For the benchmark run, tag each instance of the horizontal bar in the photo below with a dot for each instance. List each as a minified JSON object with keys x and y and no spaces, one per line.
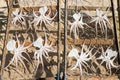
{"x":4,"y":7}
{"x":86,"y":41}
{"x":89,"y":77}
{"x":69,"y":8}
{"x":92,"y":77}
{"x":24,"y":31}
{"x":87,"y":7}
{"x":3,"y":19}
{"x":91,"y":41}
{"x":26,"y":9}
{"x":79,"y":41}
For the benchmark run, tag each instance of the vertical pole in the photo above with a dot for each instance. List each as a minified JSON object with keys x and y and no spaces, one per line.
{"x":115,"y":31}
{"x":65,"y":41}
{"x":118,"y":8}
{"x":59,"y":38}
{"x":10,"y":6}
{"x":118,"y":4}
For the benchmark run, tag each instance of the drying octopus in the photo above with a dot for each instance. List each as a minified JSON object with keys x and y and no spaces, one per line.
{"x":43,"y":17}
{"x":82,"y":59}
{"x":101,"y":21}
{"x":17,"y":49}
{"x":78,"y":23}
{"x":42,"y":51}
{"x":18,"y":17}
{"x":108,"y":57}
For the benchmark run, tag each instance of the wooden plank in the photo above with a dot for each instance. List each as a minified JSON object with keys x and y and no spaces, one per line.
{"x":91,"y":41}
{"x":30,"y":3}
{"x":93,"y":77}
{"x":86,"y":41}
{"x":36,"y":8}
{"x":91,"y":8}
{"x":9,"y":5}
{"x":24,"y":31}
{"x":87,"y":77}
{"x":58,"y":42}
{"x":88,"y":2}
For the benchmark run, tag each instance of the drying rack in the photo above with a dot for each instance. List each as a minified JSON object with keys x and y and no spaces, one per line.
{"x":66,"y":41}
{"x":90,"y":41}
{"x":9,"y":31}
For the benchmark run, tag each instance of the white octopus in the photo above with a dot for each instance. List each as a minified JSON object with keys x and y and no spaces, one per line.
{"x":108,"y":57}
{"x":101,"y":21}
{"x":78,"y":23}
{"x":82,"y":59}
{"x":43,"y":51}
{"x":43,"y":17}
{"x":18,"y":17}
{"x":17,"y":49}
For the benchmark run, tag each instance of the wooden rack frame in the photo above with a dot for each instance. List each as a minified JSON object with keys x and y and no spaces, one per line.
{"x":91,"y":41}
{"x":70,"y":42}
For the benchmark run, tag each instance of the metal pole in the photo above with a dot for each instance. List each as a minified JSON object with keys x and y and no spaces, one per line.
{"x":115,"y":31}
{"x":59,"y":38}
{"x":65,"y":42}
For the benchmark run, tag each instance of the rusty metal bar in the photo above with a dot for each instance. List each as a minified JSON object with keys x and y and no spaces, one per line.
{"x":10,"y":5}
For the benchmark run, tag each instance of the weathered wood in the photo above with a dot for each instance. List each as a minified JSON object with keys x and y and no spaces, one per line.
{"x":79,"y":42}
{"x":36,"y":8}
{"x":10,"y":5}
{"x":24,"y":31}
{"x":91,"y":41}
{"x":115,"y":31}
{"x":26,"y":9}
{"x":29,"y":3}
{"x":59,"y":39}
{"x":93,"y":78}
{"x":87,"y":77}
{"x":65,"y":41}
{"x":91,"y":10}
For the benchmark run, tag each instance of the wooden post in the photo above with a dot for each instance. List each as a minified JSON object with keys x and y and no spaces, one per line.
{"x":115,"y":31}
{"x":65,"y":42}
{"x":118,"y":4}
{"x":4,"y":52}
{"x":59,"y":38}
